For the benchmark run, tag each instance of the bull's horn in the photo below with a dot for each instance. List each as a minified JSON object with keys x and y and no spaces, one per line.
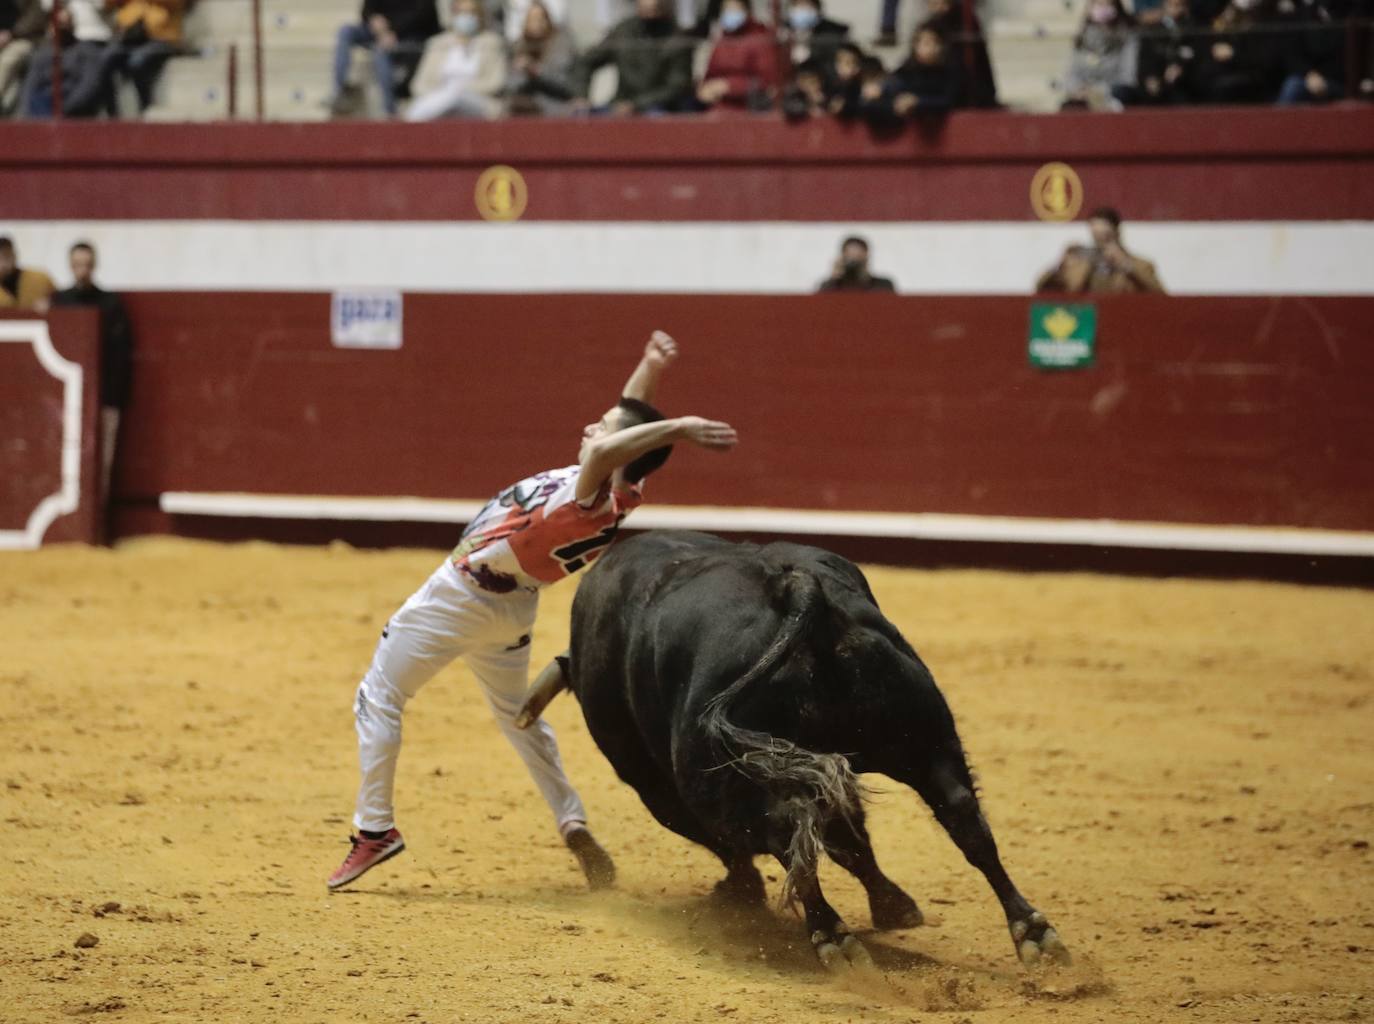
{"x":547,"y":685}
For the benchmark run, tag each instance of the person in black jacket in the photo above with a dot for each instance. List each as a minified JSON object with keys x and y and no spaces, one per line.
{"x":1314,"y":57}
{"x":116,"y":352}
{"x":928,"y":81}
{"x":850,"y":272}
{"x":1243,"y":62}
{"x":1168,"y":57}
{"x":395,"y":32}
{"x":811,"y":35}
{"x":652,"y":59}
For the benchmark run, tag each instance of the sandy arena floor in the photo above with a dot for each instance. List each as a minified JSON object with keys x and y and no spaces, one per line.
{"x":1181,"y":774}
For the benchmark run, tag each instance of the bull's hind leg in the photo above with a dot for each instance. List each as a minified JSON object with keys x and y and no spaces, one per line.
{"x":849,"y":847}
{"x":949,"y":792}
{"x":794,"y":838}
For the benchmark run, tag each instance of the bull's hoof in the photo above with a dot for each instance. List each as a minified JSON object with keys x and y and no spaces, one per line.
{"x":595,"y":862}
{"x":894,"y":909}
{"x":840,"y":952}
{"x":742,"y":887}
{"x":1037,"y":943}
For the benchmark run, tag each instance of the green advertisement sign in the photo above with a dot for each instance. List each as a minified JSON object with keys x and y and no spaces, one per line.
{"x":1062,"y":337}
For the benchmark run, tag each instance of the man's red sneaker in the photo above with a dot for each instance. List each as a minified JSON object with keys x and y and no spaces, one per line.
{"x":365,"y":855}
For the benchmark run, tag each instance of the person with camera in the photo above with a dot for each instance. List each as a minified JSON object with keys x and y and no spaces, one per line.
{"x":851,"y":273}
{"x":1104,"y":266}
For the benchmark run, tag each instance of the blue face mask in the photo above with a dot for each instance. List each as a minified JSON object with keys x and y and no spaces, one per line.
{"x":803,"y":19}
{"x":733,"y":20}
{"x":465,"y":24}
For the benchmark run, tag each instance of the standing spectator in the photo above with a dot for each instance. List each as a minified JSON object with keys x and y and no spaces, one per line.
{"x":1168,"y":58}
{"x":21,"y":288}
{"x":21,"y":29}
{"x":85,"y":35}
{"x":147,"y":34}
{"x":968,"y":49}
{"x":116,"y":351}
{"x":540,"y":78}
{"x":813,"y":35}
{"x":1105,"y":266}
{"x":851,"y":273}
{"x":1244,"y":61}
{"x":653,"y":62}
{"x":1104,"y":57}
{"x":395,"y":32}
{"x":928,"y":81}
{"x":742,"y":73}
{"x":1314,"y":57}
{"x":463,"y":69}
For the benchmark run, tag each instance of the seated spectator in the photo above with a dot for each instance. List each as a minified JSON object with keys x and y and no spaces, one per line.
{"x":968,"y":50}
{"x":742,"y":73}
{"x":813,"y":35}
{"x":653,"y":62}
{"x":515,"y":13}
{"x":1243,"y":62}
{"x":116,"y":347}
{"x":22,"y":288}
{"x":1104,"y":57}
{"x":85,"y":34}
{"x":806,"y":98}
{"x":1168,"y":57}
{"x":540,"y":78}
{"x":928,"y":81}
{"x":147,"y":35}
{"x":1314,"y":56}
{"x":851,"y":274}
{"x":1105,"y":266}
{"x":395,"y":32}
{"x":463,"y":70}
{"x":22,"y":23}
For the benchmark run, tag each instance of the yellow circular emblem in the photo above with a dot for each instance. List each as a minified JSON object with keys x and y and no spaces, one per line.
{"x":1056,"y":193}
{"x":501,"y":193}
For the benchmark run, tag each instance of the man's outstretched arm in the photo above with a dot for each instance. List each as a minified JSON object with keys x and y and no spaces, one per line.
{"x":607,"y":454}
{"x":659,"y":354}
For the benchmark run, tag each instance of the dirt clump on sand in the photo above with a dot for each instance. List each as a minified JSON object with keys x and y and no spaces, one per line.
{"x":1180,"y":774}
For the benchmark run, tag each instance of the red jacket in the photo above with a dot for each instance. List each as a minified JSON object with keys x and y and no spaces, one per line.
{"x":748,"y":60}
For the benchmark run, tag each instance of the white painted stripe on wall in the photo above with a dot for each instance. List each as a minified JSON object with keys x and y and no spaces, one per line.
{"x":980,"y":258}
{"x":913,"y":526}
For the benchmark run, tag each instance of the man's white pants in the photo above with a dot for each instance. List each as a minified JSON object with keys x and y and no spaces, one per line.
{"x":450,"y":617}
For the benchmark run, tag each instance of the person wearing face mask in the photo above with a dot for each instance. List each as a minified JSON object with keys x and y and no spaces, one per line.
{"x":1244,"y":61}
{"x":1168,"y":57}
{"x":463,"y":70}
{"x":394,"y":32}
{"x":813,"y":36}
{"x":851,"y":273}
{"x":742,"y":72}
{"x":1105,"y":56}
{"x":653,"y":63}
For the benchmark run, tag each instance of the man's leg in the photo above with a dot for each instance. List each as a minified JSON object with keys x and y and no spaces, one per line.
{"x":385,"y":72}
{"x":145,"y":65}
{"x":355,"y":34}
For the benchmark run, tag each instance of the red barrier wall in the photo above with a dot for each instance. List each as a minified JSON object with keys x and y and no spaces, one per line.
{"x":1179,"y":164}
{"x":32,"y":433}
{"x":1248,"y":411}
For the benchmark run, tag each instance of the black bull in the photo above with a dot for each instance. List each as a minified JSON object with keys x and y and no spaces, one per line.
{"x":741,"y":689}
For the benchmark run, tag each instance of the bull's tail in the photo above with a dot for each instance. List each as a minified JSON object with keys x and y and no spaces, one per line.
{"x":815,"y":788}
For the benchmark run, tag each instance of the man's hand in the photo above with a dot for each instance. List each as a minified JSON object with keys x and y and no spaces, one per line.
{"x":623,"y":108}
{"x":1315,"y":83}
{"x":905,"y":103}
{"x":379,"y":25}
{"x":1223,"y":52}
{"x":1173,"y":73}
{"x":1118,"y":257}
{"x":661,"y":351}
{"x":713,"y":90}
{"x":712,"y":434}
{"x":5,"y":36}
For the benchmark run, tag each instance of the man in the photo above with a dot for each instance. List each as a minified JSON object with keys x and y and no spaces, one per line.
{"x":395,"y":32}
{"x":851,"y":273}
{"x":1105,"y":267}
{"x":116,"y":347}
{"x":21,"y":288}
{"x":149,"y":34}
{"x":85,"y":32}
{"x":21,"y":28}
{"x":812,"y":35}
{"x":481,"y":603}
{"x":653,"y":63}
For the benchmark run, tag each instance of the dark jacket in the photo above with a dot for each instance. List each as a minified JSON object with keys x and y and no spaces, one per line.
{"x":653,"y":62}
{"x":1318,"y":42}
{"x":970,"y":56}
{"x":412,"y":20}
{"x":1253,"y":73}
{"x":866,"y":284}
{"x":827,"y":37}
{"x":116,"y":340}
{"x":936,"y":87}
{"x":24,"y":19}
{"x":1179,"y":44}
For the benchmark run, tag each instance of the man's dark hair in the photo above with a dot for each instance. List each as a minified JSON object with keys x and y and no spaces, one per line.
{"x":862,"y":243}
{"x":636,"y":413}
{"x":851,"y":48}
{"x":78,"y":246}
{"x":6,"y":243}
{"x":1107,"y":213}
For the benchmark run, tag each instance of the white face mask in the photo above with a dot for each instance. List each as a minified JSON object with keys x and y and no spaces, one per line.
{"x":465,"y":24}
{"x":803,"y":18}
{"x":733,"y":20}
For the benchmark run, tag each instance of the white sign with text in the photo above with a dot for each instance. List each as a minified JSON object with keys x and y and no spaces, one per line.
{"x":366,"y":319}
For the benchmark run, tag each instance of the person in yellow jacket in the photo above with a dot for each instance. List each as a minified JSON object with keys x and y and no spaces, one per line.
{"x":147,"y":33}
{"x":21,"y":288}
